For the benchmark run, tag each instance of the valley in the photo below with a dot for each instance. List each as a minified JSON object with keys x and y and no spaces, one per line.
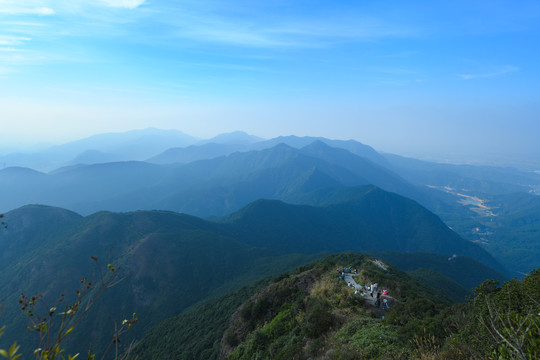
{"x":218,"y":176}
{"x":232,"y":216}
{"x":479,"y":206}
{"x":269,"y":180}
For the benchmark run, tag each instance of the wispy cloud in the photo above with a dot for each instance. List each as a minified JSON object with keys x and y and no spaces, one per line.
{"x":25,"y":7}
{"x":128,"y":4}
{"x":27,"y":11}
{"x":11,"y":50}
{"x":275,"y":35}
{"x":22,"y":24}
{"x":497,"y":72}
{"x":264,"y":26}
{"x":13,"y":40}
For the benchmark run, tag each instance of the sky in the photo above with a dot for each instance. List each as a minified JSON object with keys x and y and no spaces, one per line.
{"x":426,"y":78}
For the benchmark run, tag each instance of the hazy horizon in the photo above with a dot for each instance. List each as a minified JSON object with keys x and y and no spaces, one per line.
{"x":496,"y":159}
{"x":433,"y":80}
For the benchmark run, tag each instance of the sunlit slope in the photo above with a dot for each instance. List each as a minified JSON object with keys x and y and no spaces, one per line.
{"x":227,"y":325}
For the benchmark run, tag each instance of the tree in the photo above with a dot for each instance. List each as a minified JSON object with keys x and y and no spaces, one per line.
{"x":54,"y":326}
{"x":511,"y":316}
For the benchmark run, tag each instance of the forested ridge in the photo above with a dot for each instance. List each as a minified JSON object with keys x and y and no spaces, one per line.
{"x":311,"y":313}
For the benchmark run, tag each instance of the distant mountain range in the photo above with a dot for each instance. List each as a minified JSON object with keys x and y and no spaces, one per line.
{"x":205,"y":187}
{"x":126,"y":146}
{"x":257,"y":208}
{"x":169,"y":170}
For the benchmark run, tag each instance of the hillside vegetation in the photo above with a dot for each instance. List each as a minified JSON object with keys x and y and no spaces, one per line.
{"x":310,"y":313}
{"x":174,"y":261}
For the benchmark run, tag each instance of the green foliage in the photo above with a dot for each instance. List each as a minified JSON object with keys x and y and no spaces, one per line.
{"x":464,"y":270}
{"x":367,"y":339}
{"x":501,"y":322}
{"x":173,"y":261}
{"x":281,"y":324}
{"x":510,"y":316}
{"x":318,"y":317}
{"x":256,"y":310}
{"x":208,"y":260}
{"x":199,"y":330}
{"x":372,"y":219}
{"x":323,"y":319}
{"x":11,"y":353}
{"x":53,"y":326}
{"x":436,"y":280}
{"x":312,"y":313}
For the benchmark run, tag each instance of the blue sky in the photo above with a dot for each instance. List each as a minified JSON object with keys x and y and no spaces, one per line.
{"x":412,"y":77}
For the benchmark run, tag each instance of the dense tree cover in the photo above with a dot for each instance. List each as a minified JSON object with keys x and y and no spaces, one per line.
{"x":452,"y":289}
{"x":308,"y":314}
{"x":172,"y":261}
{"x":189,"y":248}
{"x":462,"y":269}
{"x":370,"y":219}
{"x":195,"y":334}
{"x":509,"y":316}
{"x":175,"y":260}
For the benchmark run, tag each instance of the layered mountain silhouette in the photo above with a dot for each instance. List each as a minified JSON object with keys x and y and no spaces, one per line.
{"x":217,"y":176}
{"x":204,"y":188}
{"x":132,"y":145}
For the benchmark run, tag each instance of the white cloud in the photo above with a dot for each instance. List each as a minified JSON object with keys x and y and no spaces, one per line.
{"x":127,"y":4}
{"x":10,"y":49}
{"x":315,"y":33}
{"x":44,"y":11}
{"x":12,"y":40}
{"x":497,"y":72}
{"x":9,"y":10}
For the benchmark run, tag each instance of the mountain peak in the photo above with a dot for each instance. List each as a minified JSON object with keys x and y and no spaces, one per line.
{"x":233,"y":138}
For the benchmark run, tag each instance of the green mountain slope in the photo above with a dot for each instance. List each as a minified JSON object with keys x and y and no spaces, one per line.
{"x":173,"y":261}
{"x":310,"y":314}
{"x":183,"y":337}
{"x":461,"y":269}
{"x":451,"y":288}
{"x":31,"y":227}
{"x":197,"y":333}
{"x":372,"y":220}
